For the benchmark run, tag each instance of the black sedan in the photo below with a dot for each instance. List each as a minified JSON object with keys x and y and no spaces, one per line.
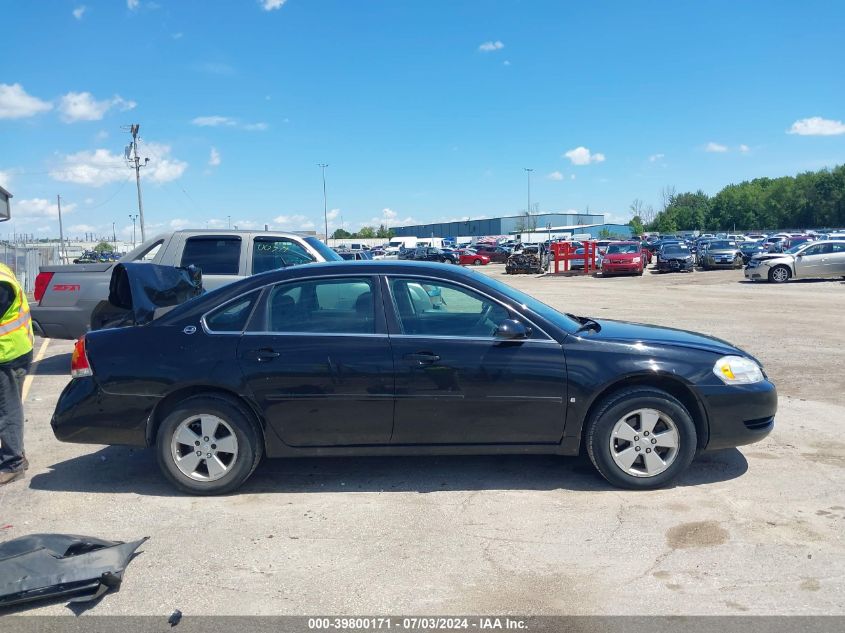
{"x":399,"y":358}
{"x":675,"y":258}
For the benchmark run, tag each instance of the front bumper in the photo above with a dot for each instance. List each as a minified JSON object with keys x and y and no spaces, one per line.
{"x":755,"y":273}
{"x":714,"y":263}
{"x":739,"y":414}
{"x":616,"y":269}
{"x":674,"y":266}
{"x":86,"y":415}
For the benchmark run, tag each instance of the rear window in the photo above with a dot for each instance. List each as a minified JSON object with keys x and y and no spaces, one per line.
{"x":233,"y":316}
{"x":213,"y":255}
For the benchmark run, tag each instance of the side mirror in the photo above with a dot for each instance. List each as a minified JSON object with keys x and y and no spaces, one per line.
{"x":509,"y":329}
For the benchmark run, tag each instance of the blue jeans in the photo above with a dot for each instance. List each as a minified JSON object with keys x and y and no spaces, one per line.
{"x":11,"y":419}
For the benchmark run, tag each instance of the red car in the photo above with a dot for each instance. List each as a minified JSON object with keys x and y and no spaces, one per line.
{"x":622,"y":258}
{"x":470,"y":257}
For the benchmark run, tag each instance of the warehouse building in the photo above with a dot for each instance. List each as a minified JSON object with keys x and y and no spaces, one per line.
{"x":499,"y":226}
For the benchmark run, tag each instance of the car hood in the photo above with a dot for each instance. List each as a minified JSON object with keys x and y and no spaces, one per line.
{"x":721,"y":251}
{"x":623,"y":331}
{"x":625,"y":256}
{"x":764,"y":256}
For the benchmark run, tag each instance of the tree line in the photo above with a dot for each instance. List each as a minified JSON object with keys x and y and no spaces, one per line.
{"x":366,"y":232}
{"x":813,"y":199}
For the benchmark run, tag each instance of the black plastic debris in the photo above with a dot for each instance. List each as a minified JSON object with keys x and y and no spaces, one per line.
{"x":140,"y":292}
{"x":51,"y":566}
{"x":175,"y":618}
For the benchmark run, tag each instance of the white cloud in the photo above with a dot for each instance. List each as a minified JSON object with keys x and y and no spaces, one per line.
{"x":214,"y":157}
{"x":40,"y":209}
{"x":744,"y":149}
{"x":101,"y":167}
{"x":15,"y":103}
{"x":295,"y":222}
{"x":655,"y":157}
{"x":271,"y":5}
{"x":81,"y":228}
{"x":79,"y":11}
{"x":715,"y":147}
{"x":389,"y":218}
{"x":488,"y":47}
{"x":817,"y":126}
{"x":132,"y":5}
{"x":225,"y":121}
{"x":555,"y":175}
{"x":179,"y":223}
{"x":583,"y":156}
{"x":81,"y":106}
{"x":6,"y":180}
{"x":333,"y":215}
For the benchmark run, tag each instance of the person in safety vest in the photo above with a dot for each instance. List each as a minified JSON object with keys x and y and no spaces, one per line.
{"x":15,"y":359}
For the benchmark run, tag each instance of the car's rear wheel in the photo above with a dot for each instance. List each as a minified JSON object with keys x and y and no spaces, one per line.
{"x":208,"y":445}
{"x":641,"y":438}
{"x":779,"y":274}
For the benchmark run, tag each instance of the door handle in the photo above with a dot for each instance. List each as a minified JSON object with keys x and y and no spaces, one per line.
{"x":423,"y":358}
{"x":262,"y":355}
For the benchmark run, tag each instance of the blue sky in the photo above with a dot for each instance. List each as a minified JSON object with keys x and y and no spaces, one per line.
{"x":424,"y":111}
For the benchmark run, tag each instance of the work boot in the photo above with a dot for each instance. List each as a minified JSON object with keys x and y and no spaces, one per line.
{"x":25,"y":462}
{"x":8,"y":476}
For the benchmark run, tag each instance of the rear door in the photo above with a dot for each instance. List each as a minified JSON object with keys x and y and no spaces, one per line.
{"x":220,"y":257}
{"x":837,"y":258}
{"x":317,"y":360}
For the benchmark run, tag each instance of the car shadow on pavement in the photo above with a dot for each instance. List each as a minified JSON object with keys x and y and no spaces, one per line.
{"x":57,"y":365}
{"x":117,"y":469}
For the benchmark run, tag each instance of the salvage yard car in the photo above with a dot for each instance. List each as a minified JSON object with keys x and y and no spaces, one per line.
{"x":675,"y":257}
{"x":622,"y":258}
{"x":721,"y":254}
{"x":807,"y":260}
{"x":65,"y":296}
{"x":401,"y":358}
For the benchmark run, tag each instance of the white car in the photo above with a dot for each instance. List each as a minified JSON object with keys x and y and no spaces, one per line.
{"x":808,"y":260}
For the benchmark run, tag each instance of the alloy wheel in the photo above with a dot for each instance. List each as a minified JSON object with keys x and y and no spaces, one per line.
{"x":204,"y":447}
{"x":644,"y":442}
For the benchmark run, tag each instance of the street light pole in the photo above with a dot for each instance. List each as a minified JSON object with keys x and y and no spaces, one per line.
{"x":322,"y":167}
{"x":133,"y":218}
{"x":528,"y":171}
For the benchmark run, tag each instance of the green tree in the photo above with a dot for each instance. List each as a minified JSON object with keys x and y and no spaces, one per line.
{"x":636,"y":224}
{"x":384,"y":232}
{"x":340,"y":234}
{"x":366,"y":232}
{"x":104,"y":247}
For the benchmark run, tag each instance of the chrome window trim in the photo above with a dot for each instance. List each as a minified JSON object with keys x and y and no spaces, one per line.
{"x":388,"y":276}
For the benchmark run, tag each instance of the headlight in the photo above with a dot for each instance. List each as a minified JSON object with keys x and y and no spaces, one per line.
{"x":636,"y":260}
{"x":737,"y":370}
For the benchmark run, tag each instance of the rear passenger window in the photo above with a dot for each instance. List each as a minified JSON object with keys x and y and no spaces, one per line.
{"x":327,"y":306}
{"x":232,"y":317}
{"x":272,"y":253}
{"x":213,"y":255}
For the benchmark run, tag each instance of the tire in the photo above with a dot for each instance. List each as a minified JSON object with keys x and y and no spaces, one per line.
{"x":476,"y":262}
{"x":228,"y":419}
{"x":780,"y":274}
{"x":737,"y":262}
{"x":623,"y":411}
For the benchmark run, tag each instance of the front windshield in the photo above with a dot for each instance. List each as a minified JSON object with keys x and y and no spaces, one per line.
{"x":674,"y":251}
{"x":796,"y":248}
{"x":722,"y":245}
{"x":616,"y":249}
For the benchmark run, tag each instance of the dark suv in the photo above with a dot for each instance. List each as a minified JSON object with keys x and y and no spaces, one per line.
{"x":430,"y":254}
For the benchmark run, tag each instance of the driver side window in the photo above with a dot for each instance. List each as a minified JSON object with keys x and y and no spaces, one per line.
{"x":435,"y":308}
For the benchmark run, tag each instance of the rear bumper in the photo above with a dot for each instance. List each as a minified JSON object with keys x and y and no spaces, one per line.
{"x":739,"y":415}
{"x":68,"y":323}
{"x":86,"y":415}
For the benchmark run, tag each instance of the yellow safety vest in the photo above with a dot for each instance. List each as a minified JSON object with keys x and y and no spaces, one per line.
{"x":16,"y":325}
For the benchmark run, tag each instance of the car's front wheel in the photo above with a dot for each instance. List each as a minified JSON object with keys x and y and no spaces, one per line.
{"x":779,"y":274}
{"x":476,"y":262}
{"x":641,"y":438}
{"x":208,"y":445}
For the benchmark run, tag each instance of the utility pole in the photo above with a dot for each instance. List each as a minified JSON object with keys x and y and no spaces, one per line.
{"x":133,"y":218}
{"x":62,"y":252}
{"x":132,"y":157}
{"x":228,"y":221}
{"x":528,"y":171}
{"x":323,"y":166}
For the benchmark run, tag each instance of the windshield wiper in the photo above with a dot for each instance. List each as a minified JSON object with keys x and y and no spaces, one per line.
{"x":586,"y":323}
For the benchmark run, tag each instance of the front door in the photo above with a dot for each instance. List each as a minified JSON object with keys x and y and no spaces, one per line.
{"x":814,"y":261}
{"x":317,"y":359}
{"x":456,"y":383}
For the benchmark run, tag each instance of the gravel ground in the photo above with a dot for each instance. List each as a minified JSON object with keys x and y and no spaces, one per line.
{"x":752,"y":531}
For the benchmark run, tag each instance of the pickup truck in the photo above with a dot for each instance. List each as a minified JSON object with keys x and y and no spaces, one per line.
{"x":66,"y":295}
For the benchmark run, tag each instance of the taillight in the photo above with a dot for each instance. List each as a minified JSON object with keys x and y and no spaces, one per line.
{"x":79,"y":365}
{"x":42,"y":280}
